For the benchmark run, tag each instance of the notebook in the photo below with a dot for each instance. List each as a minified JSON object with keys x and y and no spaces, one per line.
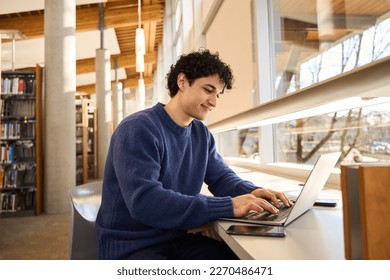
{"x":305,"y":200}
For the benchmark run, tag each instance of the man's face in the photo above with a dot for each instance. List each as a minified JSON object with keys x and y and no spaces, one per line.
{"x":201,"y":97}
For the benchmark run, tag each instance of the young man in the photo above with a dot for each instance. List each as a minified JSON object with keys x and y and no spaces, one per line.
{"x":157,"y":162}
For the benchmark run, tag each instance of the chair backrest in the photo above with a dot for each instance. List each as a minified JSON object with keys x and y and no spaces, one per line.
{"x":85,"y":200}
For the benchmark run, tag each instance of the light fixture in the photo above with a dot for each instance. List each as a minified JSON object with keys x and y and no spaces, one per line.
{"x":139,"y":63}
{"x":13,"y":35}
{"x":141,"y":94}
{"x":139,"y":43}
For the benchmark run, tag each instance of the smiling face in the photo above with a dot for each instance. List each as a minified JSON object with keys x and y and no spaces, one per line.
{"x":194,"y":101}
{"x":194,"y":82}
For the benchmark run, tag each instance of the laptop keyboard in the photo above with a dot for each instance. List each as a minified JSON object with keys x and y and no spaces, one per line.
{"x":267,"y":216}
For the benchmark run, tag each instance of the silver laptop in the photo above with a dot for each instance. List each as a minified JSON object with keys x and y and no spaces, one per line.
{"x":305,"y":200}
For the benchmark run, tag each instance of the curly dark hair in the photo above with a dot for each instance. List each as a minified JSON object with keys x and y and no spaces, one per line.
{"x":196,"y":65}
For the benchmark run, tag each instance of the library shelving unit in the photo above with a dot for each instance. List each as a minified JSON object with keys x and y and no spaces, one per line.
{"x":21,"y":180}
{"x":92,"y":140}
{"x":81,"y":136}
{"x":86,"y":162}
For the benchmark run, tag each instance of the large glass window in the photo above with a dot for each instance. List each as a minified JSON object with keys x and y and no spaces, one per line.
{"x":243,"y":143}
{"x":317,"y":40}
{"x":311,"y":42}
{"x":361,"y":134}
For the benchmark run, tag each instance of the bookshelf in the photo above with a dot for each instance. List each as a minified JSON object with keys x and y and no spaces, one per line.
{"x":92,"y":140}
{"x":81,"y":134}
{"x":21,"y":191}
{"x":86,"y":163}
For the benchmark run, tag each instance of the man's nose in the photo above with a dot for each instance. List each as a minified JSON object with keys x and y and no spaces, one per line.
{"x":213,"y":99}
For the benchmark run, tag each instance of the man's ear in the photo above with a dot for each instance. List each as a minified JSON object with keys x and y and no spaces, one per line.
{"x":181,"y":79}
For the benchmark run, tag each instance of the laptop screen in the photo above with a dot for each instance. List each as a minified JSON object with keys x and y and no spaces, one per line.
{"x":313,"y":185}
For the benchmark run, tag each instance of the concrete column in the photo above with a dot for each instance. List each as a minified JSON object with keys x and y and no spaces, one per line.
{"x":104,"y":106}
{"x":120,"y":102}
{"x":132,"y":105}
{"x":117,"y":101}
{"x":59,"y":108}
{"x":126,"y":98}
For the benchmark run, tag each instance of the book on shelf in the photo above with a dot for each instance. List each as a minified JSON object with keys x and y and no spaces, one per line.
{"x":18,"y":83}
{"x":1,"y":178}
{"x":21,"y":86}
{"x":8,"y":202}
{"x":18,"y":130}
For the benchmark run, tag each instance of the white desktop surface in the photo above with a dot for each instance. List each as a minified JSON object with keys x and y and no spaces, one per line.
{"x":316,"y":235}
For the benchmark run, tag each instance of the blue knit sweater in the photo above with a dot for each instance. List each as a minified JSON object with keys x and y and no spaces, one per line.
{"x":153,"y":175}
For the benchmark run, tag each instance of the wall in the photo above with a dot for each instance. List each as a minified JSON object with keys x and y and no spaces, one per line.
{"x":230,"y":34}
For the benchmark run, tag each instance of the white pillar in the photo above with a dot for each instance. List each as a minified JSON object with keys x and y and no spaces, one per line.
{"x":126,"y":101}
{"x":114,"y":105}
{"x":117,"y":101}
{"x":120,"y":101}
{"x":104,"y":106}
{"x":59,"y":110}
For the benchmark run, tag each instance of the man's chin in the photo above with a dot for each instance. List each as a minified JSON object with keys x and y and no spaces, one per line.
{"x":202,"y":117}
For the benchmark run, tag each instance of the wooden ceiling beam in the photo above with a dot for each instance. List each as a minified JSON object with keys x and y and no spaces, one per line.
{"x":32,"y":26}
{"x":88,"y":19}
{"x":128,"y":83}
{"x":124,"y":61}
{"x":133,"y":83}
{"x":119,"y":4}
{"x":86,"y":89}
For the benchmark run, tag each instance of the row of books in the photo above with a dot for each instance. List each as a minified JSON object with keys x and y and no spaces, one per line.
{"x":19,"y":108}
{"x":79,"y":160}
{"x":17,"y":151}
{"x":16,"y":85}
{"x":17,"y":175}
{"x":12,"y":202}
{"x":17,"y":130}
{"x":79,"y":131}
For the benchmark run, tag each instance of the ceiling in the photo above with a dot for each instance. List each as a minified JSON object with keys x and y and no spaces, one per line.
{"x":121,"y":21}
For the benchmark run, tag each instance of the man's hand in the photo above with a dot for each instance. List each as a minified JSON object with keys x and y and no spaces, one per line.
{"x":273,"y":196}
{"x":242,"y":204}
{"x":258,"y":200}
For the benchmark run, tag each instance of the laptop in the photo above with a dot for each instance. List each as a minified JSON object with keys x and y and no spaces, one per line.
{"x":305,"y":200}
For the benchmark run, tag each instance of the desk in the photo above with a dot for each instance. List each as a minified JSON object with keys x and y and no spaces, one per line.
{"x":316,"y":235}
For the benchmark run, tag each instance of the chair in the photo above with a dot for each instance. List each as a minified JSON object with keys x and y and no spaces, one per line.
{"x":86,"y":200}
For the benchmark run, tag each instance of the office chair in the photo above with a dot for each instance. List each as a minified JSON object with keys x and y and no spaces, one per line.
{"x":86,"y":200}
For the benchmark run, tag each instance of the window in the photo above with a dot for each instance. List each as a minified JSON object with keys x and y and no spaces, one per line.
{"x":361,"y":134}
{"x":312,"y":43}
{"x":317,"y":40}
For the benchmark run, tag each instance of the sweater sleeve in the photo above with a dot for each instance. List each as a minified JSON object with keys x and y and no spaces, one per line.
{"x":221,"y":179}
{"x":137,"y":155}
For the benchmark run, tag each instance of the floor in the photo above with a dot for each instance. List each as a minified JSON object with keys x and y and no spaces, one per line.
{"x":43,"y":237}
